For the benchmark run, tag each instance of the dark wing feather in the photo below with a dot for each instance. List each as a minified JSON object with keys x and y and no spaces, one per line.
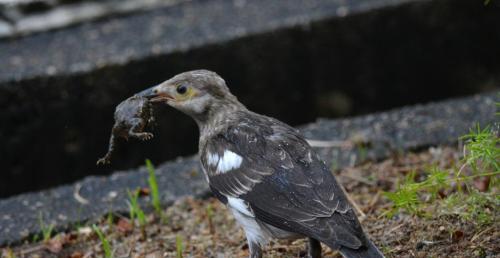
{"x":284,"y":181}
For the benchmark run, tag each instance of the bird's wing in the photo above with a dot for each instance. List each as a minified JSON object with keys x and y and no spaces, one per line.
{"x":269,"y":165}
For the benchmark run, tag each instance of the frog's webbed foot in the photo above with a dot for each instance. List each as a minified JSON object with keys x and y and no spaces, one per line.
{"x":104,"y":160}
{"x":143,"y":136}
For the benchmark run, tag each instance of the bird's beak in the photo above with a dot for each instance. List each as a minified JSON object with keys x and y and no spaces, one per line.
{"x":156,"y":93}
{"x":147,"y":93}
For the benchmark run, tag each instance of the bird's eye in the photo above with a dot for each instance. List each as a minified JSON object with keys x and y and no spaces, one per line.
{"x":181,"y":89}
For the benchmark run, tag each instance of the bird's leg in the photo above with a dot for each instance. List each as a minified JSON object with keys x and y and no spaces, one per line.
{"x":313,"y":248}
{"x":255,"y":250}
{"x":136,"y":130}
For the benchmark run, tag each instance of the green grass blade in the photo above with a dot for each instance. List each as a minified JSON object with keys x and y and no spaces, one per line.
{"x":153,"y":185}
{"x":179,"y":246}
{"x":105,"y":244}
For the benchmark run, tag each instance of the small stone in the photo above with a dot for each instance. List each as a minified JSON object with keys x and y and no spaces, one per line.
{"x":51,"y":70}
{"x":112,"y":195}
{"x":85,"y":230}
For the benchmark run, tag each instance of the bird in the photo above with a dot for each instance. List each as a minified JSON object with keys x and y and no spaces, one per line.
{"x":273,"y":182}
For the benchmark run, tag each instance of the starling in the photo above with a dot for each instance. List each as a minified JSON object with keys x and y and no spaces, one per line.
{"x":269,"y":177}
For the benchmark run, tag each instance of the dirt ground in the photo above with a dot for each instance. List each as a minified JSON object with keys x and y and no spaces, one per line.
{"x":205,"y":228}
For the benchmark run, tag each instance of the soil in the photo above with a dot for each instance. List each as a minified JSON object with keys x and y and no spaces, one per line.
{"x":217,"y":235}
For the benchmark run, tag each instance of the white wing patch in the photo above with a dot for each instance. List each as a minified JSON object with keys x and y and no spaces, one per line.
{"x":229,"y":161}
{"x":212,"y":159}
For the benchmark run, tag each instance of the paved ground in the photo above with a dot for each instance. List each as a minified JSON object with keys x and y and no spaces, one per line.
{"x":382,"y":134}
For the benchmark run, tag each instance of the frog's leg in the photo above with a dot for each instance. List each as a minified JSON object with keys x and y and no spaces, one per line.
{"x":106,"y":159}
{"x":136,"y":130}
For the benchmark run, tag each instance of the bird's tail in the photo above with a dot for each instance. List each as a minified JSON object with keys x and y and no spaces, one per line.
{"x":368,"y":251}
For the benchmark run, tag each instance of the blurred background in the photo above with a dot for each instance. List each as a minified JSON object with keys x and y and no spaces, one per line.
{"x":66,"y":64}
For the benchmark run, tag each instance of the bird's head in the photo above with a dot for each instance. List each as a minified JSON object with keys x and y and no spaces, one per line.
{"x":198,"y":93}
